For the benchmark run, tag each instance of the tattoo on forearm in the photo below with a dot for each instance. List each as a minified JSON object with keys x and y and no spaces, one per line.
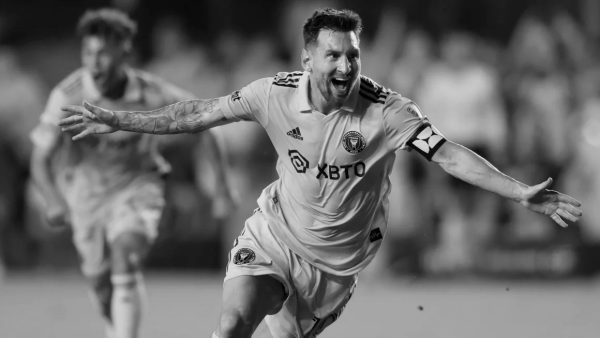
{"x":180,"y":117}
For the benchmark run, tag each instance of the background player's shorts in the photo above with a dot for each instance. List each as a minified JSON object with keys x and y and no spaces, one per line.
{"x":136,"y":208}
{"x":315,"y":299}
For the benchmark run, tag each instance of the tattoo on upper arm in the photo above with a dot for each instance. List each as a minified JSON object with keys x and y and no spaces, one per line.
{"x":180,"y":117}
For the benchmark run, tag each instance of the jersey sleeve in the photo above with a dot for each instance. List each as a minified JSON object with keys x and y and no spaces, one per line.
{"x":248,"y":103}
{"x":47,"y":131}
{"x":407,"y":128}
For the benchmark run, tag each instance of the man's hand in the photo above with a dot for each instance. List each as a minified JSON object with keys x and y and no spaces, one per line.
{"x":88,"y":119}
{"x":58,"y":216}
{"x":552,"y":203}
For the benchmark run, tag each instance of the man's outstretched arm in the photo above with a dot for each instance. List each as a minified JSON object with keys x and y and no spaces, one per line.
{"x":464,"y":164}
{"x":181,"y":117}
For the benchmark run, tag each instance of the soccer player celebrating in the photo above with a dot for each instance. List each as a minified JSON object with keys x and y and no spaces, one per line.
{"x":109,"y":188}
{"x":322,"y":221}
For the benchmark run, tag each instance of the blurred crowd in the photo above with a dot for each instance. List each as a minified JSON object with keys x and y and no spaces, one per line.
{"x":530,"y":105}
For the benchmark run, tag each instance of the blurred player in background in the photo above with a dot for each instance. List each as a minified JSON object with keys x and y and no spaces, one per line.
{"x":336,"y":133}
{"x":108,"y":188}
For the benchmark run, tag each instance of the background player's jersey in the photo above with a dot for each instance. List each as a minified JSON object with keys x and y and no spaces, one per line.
{"x":91,"y":169}
{"x":330,"y":203}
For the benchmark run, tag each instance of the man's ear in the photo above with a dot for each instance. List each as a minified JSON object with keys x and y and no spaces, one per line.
{"x":306,"y":60}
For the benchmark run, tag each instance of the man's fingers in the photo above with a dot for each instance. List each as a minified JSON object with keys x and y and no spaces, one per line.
{"x":567,"y":215}
{"x":545,"y":184}
{"x":88,"y":111}
{"x":72,"y":127}
{"x":74,"y":109}
{"x":71,"y":120}
{"x":80,"y":121}
{"x":572,"y":209}
{"x":94,"y":110}
{"x":88,"y":105}
{"x":81,"y":135}
{"x":540,"y":187}
{"x":556,"y":218}
{"x":568,"y":199}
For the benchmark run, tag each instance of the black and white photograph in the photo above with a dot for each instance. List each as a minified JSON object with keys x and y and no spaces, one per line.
{"x":299,"y":169}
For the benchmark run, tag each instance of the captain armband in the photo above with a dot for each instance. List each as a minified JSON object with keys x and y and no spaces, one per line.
{"x":426,"y":140}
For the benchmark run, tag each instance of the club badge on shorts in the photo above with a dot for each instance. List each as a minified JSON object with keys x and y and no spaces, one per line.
{"x":244,"y":256}
{"x":236,"y":96}
{"x":354,"y":142}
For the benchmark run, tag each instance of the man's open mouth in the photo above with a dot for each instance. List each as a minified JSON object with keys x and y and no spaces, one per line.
{"x":340,"y":84}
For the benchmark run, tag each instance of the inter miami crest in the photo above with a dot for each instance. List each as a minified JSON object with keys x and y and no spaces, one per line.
{"x":244,"y":256}
{"x":354,"y":142}
{"x":235,"y":96}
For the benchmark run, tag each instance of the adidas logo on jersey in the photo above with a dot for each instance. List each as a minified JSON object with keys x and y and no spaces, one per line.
{"x":295,"y":133}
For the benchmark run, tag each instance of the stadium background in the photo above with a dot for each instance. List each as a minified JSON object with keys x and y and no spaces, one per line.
{"x":456,"y":261}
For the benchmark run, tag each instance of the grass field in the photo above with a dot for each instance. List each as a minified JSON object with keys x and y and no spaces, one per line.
{"x":53,"y":305}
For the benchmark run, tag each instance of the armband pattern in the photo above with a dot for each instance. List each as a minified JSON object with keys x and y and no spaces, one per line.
{"x":426,"y":140}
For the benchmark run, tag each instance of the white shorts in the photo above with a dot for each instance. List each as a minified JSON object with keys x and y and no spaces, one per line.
{"x":315,"y":299}
{"x":137,"y":208}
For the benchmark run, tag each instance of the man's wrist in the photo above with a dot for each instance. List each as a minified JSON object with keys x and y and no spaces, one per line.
{"x":519,"y":193}
{"x":112,"y":119}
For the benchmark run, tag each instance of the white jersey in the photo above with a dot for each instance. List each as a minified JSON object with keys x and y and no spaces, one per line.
{"x":91,"y":170}
{"x":330,"y":203}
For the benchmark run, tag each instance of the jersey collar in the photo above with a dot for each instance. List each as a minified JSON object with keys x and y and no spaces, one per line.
{"x":303,"y":103}
{"x":133,"y":91}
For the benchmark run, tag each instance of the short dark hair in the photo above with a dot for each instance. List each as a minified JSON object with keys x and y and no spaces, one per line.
{"x":343,"y":20}
{"x":108,"y":23}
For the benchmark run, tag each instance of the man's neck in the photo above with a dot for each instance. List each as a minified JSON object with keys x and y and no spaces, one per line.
{"x":116,"y":89}
{"x":320,"y":103}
